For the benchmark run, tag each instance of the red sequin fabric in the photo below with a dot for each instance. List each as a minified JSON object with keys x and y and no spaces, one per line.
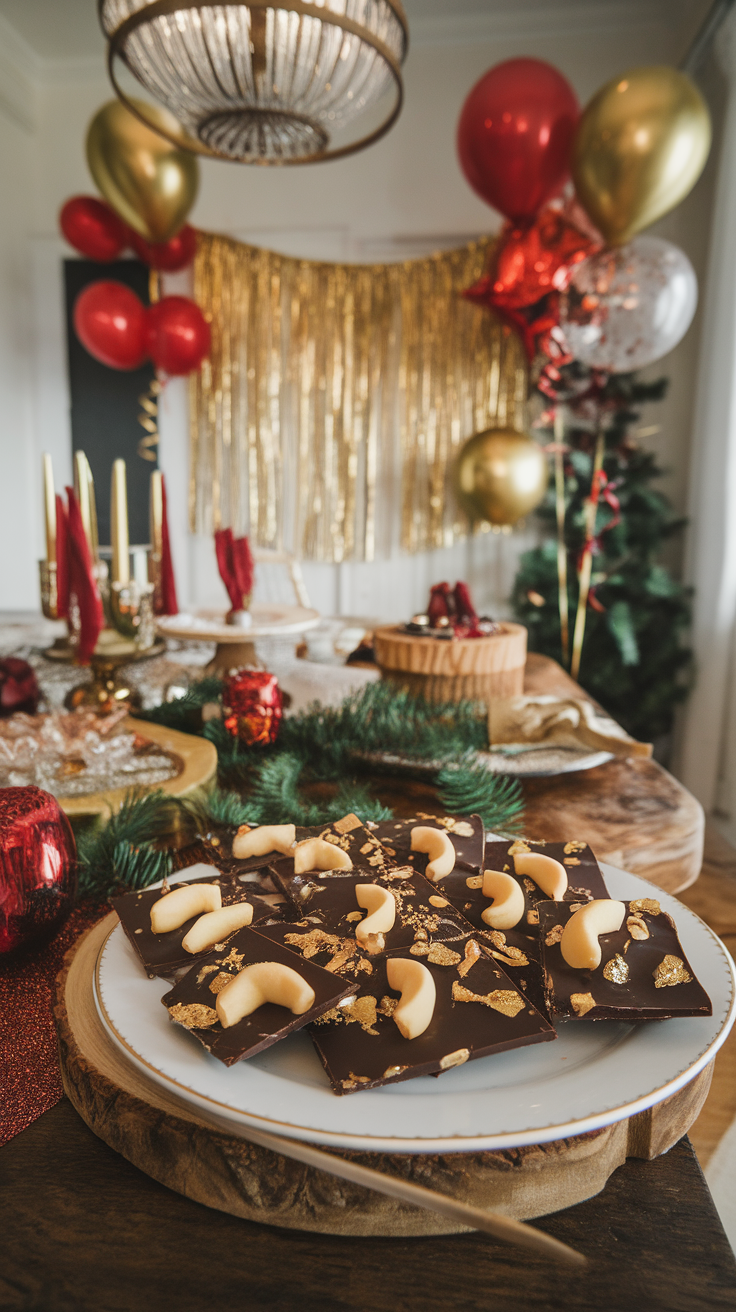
{"x":30,"y":1081}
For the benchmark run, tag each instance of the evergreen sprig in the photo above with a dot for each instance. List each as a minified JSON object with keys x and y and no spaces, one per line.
{"x":124,"y":851}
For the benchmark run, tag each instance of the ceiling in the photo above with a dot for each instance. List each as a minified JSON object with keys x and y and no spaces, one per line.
{"x":68,"y":29}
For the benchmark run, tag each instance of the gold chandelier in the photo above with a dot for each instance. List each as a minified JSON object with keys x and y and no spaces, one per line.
{"x":267,"y":82}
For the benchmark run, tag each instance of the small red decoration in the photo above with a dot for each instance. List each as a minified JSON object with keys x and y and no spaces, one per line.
{"x":110,"y":322}
{"x":178,"y":335}
{"x":515,"y":134}
{"x":19,"y":690}
{"x":452,"y":608}
{"x":253,"y":707}
{"x":83,"y":591}
{"x":235,"y":563}
{"x":168,"y":256}
{"x":93,"y":228}
{"x":38,"y":866}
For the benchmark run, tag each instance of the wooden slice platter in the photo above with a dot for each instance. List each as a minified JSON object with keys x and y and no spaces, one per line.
{"x":161,"y":1134}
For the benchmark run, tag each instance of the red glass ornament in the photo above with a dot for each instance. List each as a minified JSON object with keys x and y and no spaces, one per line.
{"x":19,"y":689}
{"x":110,"y":322}
{"x":253,"y":706}
{"x":515,"y":133}
{"x":38,"y":866}
{"x":168,"y":256}
{"x":178,"y":335}
{"x":93,"y":229}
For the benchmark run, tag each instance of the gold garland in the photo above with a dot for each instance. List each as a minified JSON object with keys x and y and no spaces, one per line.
{"x":337,"y":397}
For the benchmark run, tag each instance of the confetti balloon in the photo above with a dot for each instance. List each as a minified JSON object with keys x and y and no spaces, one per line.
{"x":625,"y":308}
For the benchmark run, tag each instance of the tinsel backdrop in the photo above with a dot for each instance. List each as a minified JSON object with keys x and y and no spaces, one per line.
{"x":336,"y":398}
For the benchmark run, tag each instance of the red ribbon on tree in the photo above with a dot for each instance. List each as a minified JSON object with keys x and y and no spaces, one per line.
{"x":82,"y":583}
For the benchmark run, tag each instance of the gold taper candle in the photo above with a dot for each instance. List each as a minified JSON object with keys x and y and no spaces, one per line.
{"x":156,"y":511}
{"x":49,"y":506}
{"x":119,"y":524}
{"x":84,"y":489}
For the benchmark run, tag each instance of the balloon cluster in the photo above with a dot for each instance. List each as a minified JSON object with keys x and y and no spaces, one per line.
{"x":149,"y":187}
{"x":570,"y":274}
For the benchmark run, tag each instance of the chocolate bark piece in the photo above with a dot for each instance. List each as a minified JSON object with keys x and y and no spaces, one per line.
{"x":192,"y":1000}
{"x":217,"y":843}
{"x":466,"y":833}
{"x":423,"y":914}
{"x":163,"y":954}
{"x":340,"y":955}
{"x":349,"y":834}
{"x":477,"y":1012}
{"x":643,"y":974}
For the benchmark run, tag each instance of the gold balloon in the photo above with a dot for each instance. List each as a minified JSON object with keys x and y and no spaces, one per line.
{"x":149,"y":182}
{"x":640,"y":147}
{"x":501,"y":475}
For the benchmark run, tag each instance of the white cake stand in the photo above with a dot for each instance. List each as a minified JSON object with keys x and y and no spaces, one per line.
{"x":236,"y":644}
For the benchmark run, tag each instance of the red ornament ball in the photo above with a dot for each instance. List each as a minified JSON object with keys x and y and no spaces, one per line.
{"x":19,"y":689}
{"x":38,"y":866}
{"x":253,"y":707}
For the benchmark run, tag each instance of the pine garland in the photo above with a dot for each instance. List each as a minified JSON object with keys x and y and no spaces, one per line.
{"x":123,"y":853}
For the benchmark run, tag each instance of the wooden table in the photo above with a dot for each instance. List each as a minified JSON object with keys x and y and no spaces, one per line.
{"x":81,"y":1230}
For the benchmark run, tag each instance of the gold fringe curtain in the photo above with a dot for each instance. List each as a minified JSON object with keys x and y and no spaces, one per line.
{"x":336,"y":398}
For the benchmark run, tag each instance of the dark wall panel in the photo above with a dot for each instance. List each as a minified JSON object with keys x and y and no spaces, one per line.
{"x":105,"y":402}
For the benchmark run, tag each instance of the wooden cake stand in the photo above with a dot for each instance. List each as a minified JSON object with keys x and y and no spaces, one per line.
{"x":161,"y":1134}
{"x":235,"y":645}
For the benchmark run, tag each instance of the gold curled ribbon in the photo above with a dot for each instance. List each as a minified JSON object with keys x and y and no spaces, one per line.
{"x":148,"y":419}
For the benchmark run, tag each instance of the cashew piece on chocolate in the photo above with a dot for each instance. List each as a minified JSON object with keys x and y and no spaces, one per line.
{"x":418,"y":995}
{"x":548,"y":874}
{"x":262,"y":840}
{"x":439,"y":849}
{"x":579,"y":943}
{"x":380,"y":904}
{"x":508,"y":900}
{"x":215,"y":926}
{"x":177,"y":907}
{"x":318,"y":854}
{"x":265,"y":981}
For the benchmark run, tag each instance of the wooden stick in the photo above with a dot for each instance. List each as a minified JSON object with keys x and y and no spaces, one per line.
{"x":500,"y":1227}
{"x":561,"y":547}
{"x":586,"y":564}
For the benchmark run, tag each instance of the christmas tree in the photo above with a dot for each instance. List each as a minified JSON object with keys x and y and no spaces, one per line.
{"x":633,"y":660}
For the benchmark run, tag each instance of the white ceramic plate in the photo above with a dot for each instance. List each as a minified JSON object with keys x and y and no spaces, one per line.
{"x":592,"y":1075}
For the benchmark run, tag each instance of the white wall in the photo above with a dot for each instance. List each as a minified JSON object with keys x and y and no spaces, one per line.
{"x":399,"y":198}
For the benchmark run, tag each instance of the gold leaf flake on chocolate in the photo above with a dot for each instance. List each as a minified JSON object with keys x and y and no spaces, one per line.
{"x":205,"y":971}
{"x":354,"y":916}
{"x":439,"y":955}
{"x":220,"y":981}
{"x":234,"y":959}
{"x":554,"y":935}
{"x":574,"y":846}
{"x":193,"y":1015}
{"x":460,"y":827}
{"x":366,"y":848}
{"x":387,"y":1006}
{"x":570,"y":861}
{"x":529,"y":885}
{"x":454,"y":1059}
{"x":354,"y":1080}
{"x":392,"y":1071}
{"x":366,"y":966}
{"x":637,"y":927}
{"x":671,"y":970}
{"x":576,"y":906}
{"x":616,"y":971}
{"x":582,"y":1003}
{"x":649,"y":904}
{"x":344,"y":826}
{"x":472,"y":953}
{"x":532,"y":916}
{"x":361,"y":1010}
{"x":419,"y":949}
{"x":519,"y":847}
{"x":506,"y":1001}
{"x":474,"y":881}
{"x":376,"y":860}
{"x":497,"y":938}
{"x":400,"y":872}
{"x":510,"y":956}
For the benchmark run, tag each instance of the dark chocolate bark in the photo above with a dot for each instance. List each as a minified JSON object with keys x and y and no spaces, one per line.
{"x":477,"y":1012}
{"x":643,"y":975}
{"x":466,"y":834}
{"x":340,"y":955}
{"x":423,"y":913}
{"x":192,"y":1000}
{"x":163,"y":954}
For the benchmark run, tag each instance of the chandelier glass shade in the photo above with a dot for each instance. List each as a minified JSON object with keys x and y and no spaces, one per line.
{"x":268,"y":82}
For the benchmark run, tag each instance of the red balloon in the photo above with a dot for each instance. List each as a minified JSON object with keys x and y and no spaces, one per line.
{"x":515,"y":133}
{"x":178,"y":335}
{"x":110,"y":322}
{"x":169,"y":256}
{"x":93,"y":229}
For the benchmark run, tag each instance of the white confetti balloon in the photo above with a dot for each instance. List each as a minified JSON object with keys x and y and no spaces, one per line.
{"x":625,"y":308}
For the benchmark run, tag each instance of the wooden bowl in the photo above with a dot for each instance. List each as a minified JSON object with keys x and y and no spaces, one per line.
{"x":450,"y":670}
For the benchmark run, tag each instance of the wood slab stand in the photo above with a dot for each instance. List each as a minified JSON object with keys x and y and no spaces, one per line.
{"x":165,"y":1138}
